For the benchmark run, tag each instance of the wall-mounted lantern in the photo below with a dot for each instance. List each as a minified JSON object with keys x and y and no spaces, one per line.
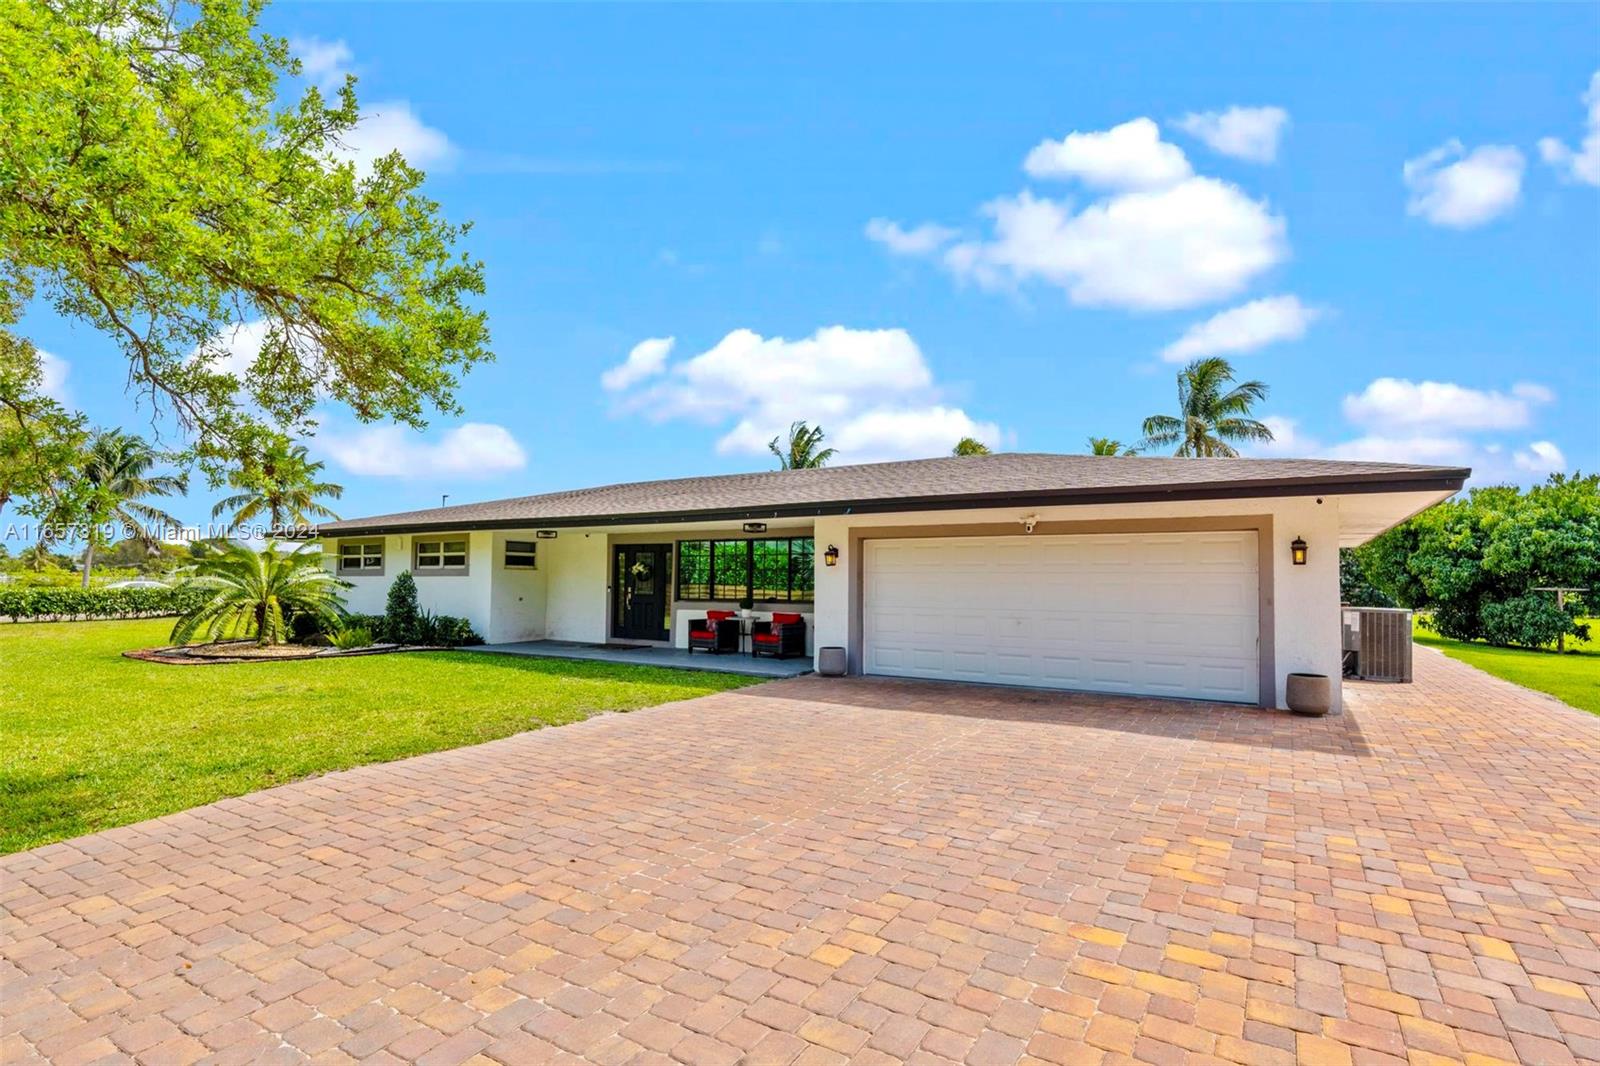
{"x":755,"y":527}
{"x":1297,"y":551}
{"x":831,"y":556}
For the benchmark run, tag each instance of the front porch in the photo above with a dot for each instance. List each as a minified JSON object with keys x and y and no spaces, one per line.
{"x":652,"y":655}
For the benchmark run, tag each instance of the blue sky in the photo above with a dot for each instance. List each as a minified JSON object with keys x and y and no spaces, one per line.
{"x":1061,"y":196}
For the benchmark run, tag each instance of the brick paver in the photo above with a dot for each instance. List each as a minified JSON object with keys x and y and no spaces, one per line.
{"x":820,"y":870}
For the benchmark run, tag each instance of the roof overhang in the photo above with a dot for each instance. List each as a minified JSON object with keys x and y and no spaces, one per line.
{"x":1434,"y":485}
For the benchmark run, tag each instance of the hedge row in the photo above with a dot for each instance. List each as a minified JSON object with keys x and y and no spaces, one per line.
{"x":45,"y":601}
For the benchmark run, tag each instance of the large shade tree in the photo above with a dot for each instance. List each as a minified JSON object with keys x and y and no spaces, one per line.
{"x":279,"y":483}
{"x":1212,"y":416}
{"x":803,"y":448}
{"x":158,"y":182}
{"x":119,"y":473}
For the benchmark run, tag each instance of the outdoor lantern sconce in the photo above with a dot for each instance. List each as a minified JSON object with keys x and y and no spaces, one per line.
{"x":1297,"y":551}
{"x":831,"y":556}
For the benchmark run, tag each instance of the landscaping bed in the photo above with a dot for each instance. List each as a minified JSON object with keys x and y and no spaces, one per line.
{"x":248,"y":651}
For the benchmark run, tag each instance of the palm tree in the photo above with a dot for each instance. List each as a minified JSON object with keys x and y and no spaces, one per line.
{"x":280,"y":483}
{"x":803,"y":450}
{"x":1209,"y":418}
{"x":970,"y":446}
{"x":1107,"y":446}
{"x":117,"y":477}
{"x":257,"y":593}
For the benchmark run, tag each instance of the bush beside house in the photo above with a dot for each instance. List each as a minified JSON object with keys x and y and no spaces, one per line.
{"x":1476,"y":563}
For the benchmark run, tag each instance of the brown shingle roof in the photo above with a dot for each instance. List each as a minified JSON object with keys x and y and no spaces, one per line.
{"x":967,"y":481}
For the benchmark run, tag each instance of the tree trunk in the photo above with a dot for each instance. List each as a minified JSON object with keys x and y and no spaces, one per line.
{"x":88,"y":561}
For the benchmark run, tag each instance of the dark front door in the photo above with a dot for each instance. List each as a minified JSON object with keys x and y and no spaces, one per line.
{"x":640,"y":588}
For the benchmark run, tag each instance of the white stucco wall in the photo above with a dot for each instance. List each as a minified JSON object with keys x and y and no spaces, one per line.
{"x":575,"y":585}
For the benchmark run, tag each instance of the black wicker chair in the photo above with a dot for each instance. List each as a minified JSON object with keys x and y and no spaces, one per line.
{"x":717,"y":632}
{"x":781,"y":638}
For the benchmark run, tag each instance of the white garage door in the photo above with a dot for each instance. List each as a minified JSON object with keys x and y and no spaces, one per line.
{"x":1163,"y":614}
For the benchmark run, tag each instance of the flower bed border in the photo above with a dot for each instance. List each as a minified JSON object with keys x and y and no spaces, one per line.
{"x":185,"y":656}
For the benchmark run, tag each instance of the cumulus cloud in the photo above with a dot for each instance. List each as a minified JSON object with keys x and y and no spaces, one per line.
{"x":1248,"y":133}
{"x":647,"y":359}
{"x":53,"y":374}
{"x":919,"y":240}
{"x":1159,"y":238}
{"x":1453,"y":187}
{"x":392,"y":126}
{"x":871,"y":390}
{"x":1583,"y":164}
{"x":323,"y":63}
{"x":471,"y":450}
{"x":1244,"y":329}
{"x":1195,"y":242}
{"x":1393,"y":403}
{"x":1129,"y":156}
{"x":1540,"y":457}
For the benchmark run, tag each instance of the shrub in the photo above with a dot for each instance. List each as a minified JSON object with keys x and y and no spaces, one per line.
{"x":444,"y":630}
{"x":26,"y":602}
{"x":1532,"y":621}
{"x":352,"y":637}
{"x":401,"y":614}
{"x":372,"y":623}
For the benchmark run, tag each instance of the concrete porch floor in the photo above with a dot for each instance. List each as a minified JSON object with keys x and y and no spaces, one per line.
{"x":648,"y":655}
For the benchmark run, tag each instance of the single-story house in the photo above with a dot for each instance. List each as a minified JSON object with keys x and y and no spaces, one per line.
{"x":1202,"y":578}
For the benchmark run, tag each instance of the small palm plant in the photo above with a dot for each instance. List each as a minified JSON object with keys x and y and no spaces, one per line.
{"x":254,"y":594}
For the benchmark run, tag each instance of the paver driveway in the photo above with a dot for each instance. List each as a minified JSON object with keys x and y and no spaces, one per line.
{"x":814,"y":870}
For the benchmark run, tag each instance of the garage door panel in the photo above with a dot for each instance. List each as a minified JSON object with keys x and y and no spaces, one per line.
{"x":1164,"y":614}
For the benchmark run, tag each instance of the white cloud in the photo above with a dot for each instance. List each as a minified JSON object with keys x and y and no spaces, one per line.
{"x":1163,"y":238}
{"x":1419,"y":448}
{"x":323,"y":63}
{"x":1195,"y":242}
{"x":1388,"y":404}
{"x":470,"y":450}
{"x":390,"y":126}
{"x":1129,"y":156}
{"x":919,"y":240}
{"x":871,"y":390}
{"x":1453,"y":187}
{"x":1244,"y":329}
{"x":1582,"y":165}
{"x":53,"y":374}
{"x":1540,"y":457}
{"x":1249,"y":133}
{"x":646,"y":359}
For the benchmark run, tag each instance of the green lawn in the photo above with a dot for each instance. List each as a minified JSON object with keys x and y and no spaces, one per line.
{"x":90,"y":740}
{"x":1571,"y":678}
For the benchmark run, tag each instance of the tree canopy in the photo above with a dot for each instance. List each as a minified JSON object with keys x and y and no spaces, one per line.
{"x":154,"y":184}
{"x":1476,"y":561}
{"x":971,"y":446}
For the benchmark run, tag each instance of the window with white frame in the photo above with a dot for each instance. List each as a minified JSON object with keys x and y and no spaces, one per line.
{"x":363,"y":558}
{"x":441,"y":556}
{"x":522,"y":555}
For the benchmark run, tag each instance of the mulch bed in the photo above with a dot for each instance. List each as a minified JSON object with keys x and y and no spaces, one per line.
{"x":247,"y":651}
